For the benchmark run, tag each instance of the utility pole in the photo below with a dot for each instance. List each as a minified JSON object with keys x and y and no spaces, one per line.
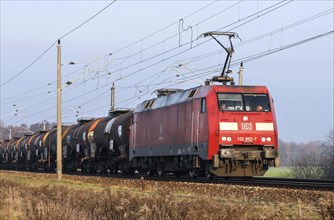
{"x":59,"y":147}
{"x":112,"y":102}
{"x":241,"y":71}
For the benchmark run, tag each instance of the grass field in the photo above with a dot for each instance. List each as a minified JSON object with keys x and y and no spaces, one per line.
{"x":280,"y":172}
{"x":41,"y":196}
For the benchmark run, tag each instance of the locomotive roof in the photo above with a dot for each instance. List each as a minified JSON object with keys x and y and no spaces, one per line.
{"x":194,"y":93}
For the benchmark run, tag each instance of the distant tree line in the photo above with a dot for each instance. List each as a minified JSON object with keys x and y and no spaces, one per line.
{"x":312,"y":160}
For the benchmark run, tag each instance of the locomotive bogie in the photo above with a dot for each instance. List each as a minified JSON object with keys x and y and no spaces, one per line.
{"x":243,"y":161}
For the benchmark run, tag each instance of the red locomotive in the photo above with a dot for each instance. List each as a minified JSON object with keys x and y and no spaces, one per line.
{"x":221,"y":130}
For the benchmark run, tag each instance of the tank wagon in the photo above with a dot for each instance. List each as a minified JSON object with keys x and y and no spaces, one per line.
{"x":4,"y":154}
{"x":97,"y":144}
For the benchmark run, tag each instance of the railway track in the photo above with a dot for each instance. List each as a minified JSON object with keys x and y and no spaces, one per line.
{"x":292,"y":183}
{"x":282,"y":182}
{"x":313,"y":184}
{"x":262,"y":181}
{"x":295,"y":183}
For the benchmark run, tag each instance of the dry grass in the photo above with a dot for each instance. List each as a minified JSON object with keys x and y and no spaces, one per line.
{"x":39,"y":196}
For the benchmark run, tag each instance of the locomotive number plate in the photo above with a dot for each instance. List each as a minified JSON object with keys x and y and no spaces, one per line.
{"x":246,"y":126}
{"x":247,"y":139}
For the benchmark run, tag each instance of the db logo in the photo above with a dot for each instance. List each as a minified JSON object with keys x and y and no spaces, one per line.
{"x":246,"y":126}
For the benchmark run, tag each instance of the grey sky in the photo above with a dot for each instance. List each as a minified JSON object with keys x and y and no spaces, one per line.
{"x":300,"y":78}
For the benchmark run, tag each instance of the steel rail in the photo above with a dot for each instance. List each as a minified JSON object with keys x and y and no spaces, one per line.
{"x":313,"y":184}
{"x":290,"y":183}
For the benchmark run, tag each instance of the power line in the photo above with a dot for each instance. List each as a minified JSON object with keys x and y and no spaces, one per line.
{"x":245,"y":42}
{"x":210,"y":72}
{"x":170,"y":25}
{"x":88,"y":19}
{"x":152,"y":46}
{"x":165,"y":39}
{"x":300,"y":22}
{"x":198,"y":10}
{"x":215,"y":68}
{"x":249,"y":58}
{"x":175,"y":35}
{"x":265,"y":11}
{"x":257,"y":15}
{"x":22,"y":71}
{"x":260,"y":55}
{"x":168,"y":38}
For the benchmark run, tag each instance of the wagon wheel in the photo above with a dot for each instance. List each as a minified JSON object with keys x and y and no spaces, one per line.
{"x":104,"y":169}
{"x":192,"y":173}
{"x":161,"y":169}
{"x":177,"y":173}
{"x":161,"y":172}
{"x":150,"y":172}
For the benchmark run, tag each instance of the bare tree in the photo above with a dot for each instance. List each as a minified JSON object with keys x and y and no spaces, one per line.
{"x":308,"y":166}
{"x":328,"y":155}
{"x":317,"y":163}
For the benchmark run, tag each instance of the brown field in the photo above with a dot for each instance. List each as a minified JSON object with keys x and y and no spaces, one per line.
{"x":41,"y":196}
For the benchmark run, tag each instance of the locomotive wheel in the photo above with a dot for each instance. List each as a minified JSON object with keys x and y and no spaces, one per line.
{"x":209,"y":175}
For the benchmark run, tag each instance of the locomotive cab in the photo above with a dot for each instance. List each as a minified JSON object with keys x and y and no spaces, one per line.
{"x":247,"y":132}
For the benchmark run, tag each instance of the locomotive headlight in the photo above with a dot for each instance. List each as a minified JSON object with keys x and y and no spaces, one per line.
{"x":229,"y":139}
{"x":266,"y":139}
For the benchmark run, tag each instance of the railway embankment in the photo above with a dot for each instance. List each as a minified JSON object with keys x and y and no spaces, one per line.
{"x":26,"y":195}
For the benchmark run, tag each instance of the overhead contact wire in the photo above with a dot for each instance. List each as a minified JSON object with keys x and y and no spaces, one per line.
{"x":68,"y":33}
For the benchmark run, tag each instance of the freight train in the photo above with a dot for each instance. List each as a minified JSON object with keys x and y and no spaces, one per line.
{"x":210,"y":130}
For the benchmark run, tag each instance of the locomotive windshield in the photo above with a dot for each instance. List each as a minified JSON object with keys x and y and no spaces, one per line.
{"x":243,"y":102}
{"x":257,"y":102}
{"x":229,"y":101}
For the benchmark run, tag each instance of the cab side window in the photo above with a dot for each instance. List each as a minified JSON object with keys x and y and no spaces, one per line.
{"x":203,"y":105}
